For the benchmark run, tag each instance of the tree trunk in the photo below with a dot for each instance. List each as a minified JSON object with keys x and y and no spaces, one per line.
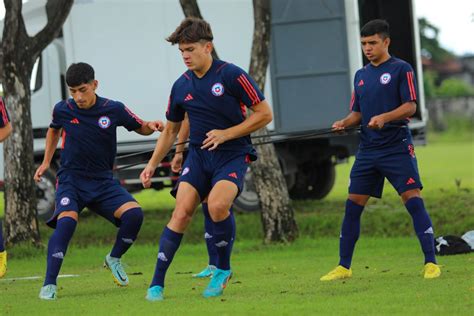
{"x":277,"y":213}
{"x":191,"y":8}
{"x":19,"y":54}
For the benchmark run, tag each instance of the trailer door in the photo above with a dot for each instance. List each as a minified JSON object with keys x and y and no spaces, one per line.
{"x":309,"y":64}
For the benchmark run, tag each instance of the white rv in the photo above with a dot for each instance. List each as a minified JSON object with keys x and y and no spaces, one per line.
{"x":314,"y":55}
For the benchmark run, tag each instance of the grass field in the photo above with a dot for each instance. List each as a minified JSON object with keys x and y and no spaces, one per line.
{"x":277,"y":280}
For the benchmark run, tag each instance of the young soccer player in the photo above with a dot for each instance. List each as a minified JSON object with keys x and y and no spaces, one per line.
{"x":89,"y":145}
{"x":5,"y":131}
{"x":384,"y":92}
{"x":176,"y":164}
{"x":215,"y":95}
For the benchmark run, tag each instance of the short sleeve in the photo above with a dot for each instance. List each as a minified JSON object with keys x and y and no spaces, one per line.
{"x":56,"y":117}
{"x":407,"y":85}
{"x":127,"y":118}
{"x":174,"y":112}
{"x":354,"y":105}
{"x":244,"y":87}
{"x":5,"y":119}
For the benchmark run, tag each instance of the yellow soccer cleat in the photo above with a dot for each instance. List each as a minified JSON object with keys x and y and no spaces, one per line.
{"x":431,"y":270}
{"x":3,"y":263}
{"x":338,"y":273}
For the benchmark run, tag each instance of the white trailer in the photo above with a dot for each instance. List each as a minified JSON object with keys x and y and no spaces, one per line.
{"x":124,"y":40}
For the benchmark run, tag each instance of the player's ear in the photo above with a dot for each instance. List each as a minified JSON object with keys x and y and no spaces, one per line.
{"x":95,"y":84}
{"x":386,"y":41}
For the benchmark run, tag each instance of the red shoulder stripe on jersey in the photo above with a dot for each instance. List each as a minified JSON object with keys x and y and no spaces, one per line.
{"x":139,"y":120}
{"x":63,"y":142}
{"x":4,"y":112}
{"x":249,"y":89}
{"x":352,"y":101}
{"x":411,"y":85}
{"x":69,"y":105}
{"x":187,"y":76}
{"x":220,"y":67}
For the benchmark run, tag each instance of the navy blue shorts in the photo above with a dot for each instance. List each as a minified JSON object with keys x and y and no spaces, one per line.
{"x":396,"y":163}
{"x":102,"y":196}
{"x":203,"y":169}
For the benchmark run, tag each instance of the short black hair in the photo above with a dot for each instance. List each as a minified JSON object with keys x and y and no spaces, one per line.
{"x":79,"y":73}
{"x":373,"y":27}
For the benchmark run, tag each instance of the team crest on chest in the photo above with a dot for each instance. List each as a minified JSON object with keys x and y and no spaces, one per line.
{"x":385,"y":78}
{"x":104,"y":122}
{"x":217,"y":89}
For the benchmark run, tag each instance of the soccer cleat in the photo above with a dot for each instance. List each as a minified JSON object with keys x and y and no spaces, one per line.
{"x":3,"y":263}
{"x":155,"y":293}
{"x":218,"y":283}
{"x":207,"y":272}
{"x":48,"y":292}
{"x":338,"y":273}
{"x":431,"y":270}
{"x":118,"y":273}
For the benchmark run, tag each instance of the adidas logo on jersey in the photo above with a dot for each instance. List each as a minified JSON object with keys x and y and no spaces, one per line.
{"x":189,"y":97}
{"x":411,"y":181}
{"x":222,"y":243}
{"x":59,"y":255}
{"x":74,"y":121}
{"x":207,"y":235}
{"x":233,"y":175}
{"x":429,"y":230}
{"x":162,"y":257}
{"x":361,"y":83}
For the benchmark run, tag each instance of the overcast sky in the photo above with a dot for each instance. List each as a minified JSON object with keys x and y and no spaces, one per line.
{"x":454,"y":18}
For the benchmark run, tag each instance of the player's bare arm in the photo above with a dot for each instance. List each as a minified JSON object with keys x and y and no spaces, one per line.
{"x":353,"y":119}
{"x":149,"y":128}
{"x":52,"y":139}
{"x":163,"y":145}
{"x":183,"y":135}
{"x":5,"y":132}
{"x":402,"y":112}
{"x":261,"y":116}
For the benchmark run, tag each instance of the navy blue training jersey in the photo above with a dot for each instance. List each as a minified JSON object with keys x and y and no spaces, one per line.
{"x":218,"y":100}
{"x":5,"y":119}
{"x":89,"y":137}
{"x":380,"y":89}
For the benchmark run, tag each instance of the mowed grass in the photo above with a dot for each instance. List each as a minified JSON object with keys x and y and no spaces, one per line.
{"x":268,"y":280}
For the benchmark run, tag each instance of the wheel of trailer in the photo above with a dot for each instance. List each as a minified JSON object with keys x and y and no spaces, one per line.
{"x":248,"y":200}
{"x":314,"y":181}
{"x":45,"y":194}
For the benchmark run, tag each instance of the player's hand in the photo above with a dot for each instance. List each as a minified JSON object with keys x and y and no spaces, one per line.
{"x":146,"y":176}
{"x":214,"y":139}
{"x":40,"y":171}
{"x":376,"y":122}
{"x":338,"y":125}
{"x":177,"y":162}
{"x":156,"y":126}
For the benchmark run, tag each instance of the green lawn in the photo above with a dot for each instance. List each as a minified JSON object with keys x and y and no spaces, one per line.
{"x":277,"y":279}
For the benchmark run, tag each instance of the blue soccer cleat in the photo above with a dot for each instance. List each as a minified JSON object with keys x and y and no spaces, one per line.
{"x":155,"y":293}
{"x":118,"y":273}
{"x":207,"y":272}
{"x":218,"y":283}
{"x":48,"y":292}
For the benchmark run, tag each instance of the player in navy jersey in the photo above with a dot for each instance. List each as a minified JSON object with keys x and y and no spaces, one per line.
{"x":215,"y":95}
{"x":89,"y":144}
{"x":384,"y":97}
{"x":5,"y":131}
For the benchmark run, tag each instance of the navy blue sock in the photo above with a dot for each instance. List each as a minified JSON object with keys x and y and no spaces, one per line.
{"x":131,"y":221}
{"x":423,"y":227}
{"x":350,"y":232}
{"x":57,"y":247}
{"x":224,"y":232}
{"x":169,"y":244}
{"x":2,"y":246}
{"x":208,"y":236}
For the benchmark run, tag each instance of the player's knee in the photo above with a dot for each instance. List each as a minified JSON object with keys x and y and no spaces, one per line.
{"x":70,"y":214}
{"x":181,"y":216}
{"x":133,"y":216}
{"x":410,"y":194}
{"x":218,"y":210}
